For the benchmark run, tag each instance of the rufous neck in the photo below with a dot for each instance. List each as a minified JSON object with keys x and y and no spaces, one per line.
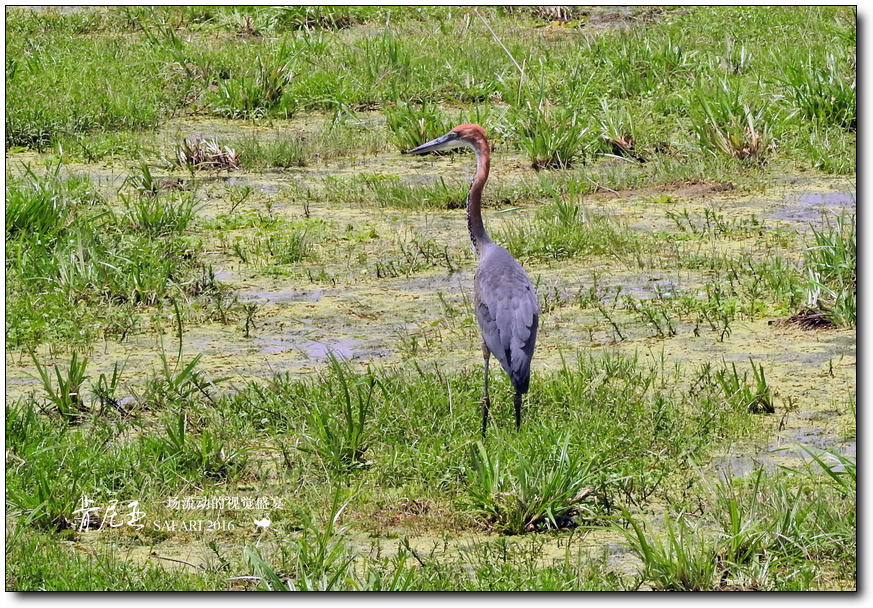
{"x":475,"y":226}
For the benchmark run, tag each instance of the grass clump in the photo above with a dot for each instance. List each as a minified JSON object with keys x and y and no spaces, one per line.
{"x":830,"y":150}
{"x":781,"y":522}
{"x":180,"y":452}
{"x":282,"y":150}
{"x":159,"y":216}
{"x":686,"y":562}
{"x":38,"y":563}
{"x":552,"y":137}
{"x":772,"y":529}
{"x":565,"y":229}
{"x":267,"y":250}
{"x":204,"y":154}
{"x":44,"y":207}
{"x":822,"y":93}
{"x":341,"y":438}
{"x":830,"y":266}
{"x":391,"y":191}
{"x":67,"y":398}
{"x":542,"y":492}
{"x":618,"y":130}
{"x":318,"y":561}
{"x":412,"y":125}
{"x":39,"y":490}
{"x":256,"y":92}
{"x":738,"y":393}
{"x":42,"y":64}
{"x":725,"y":123}
{"x":66,"y":247}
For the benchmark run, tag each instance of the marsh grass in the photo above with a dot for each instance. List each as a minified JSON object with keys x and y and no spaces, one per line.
{"x":67,"y":397}
{"x":41,"y":207}
{"x":34,"y":561}
{"x":45,"y":503}
{"x":725,"y":123}
{"x":739,"y":394}
{"x":343,"y":137}
{"x":267,"y":250}
{"x":516,"y":493}
{"x":158,"y":216}
{"x":257,"y":91}
{"x":744,"y":531}
{"x":280,"y":150}
{"x":618,"y":130}
{"x":841,"y":472}
{"x":205,"y":154}
{"x":391,"y":191}
{"x":179,"y":452}
{"x":412,"y":126}
{"x":777,"y":521}
{"x":341,"y":434}
{"x":143,"y":181}
{"x":564,"y":229}
{"x":176,"y":381}
{"x":771,"y":526}
{"x":40,"y":488}
{"x":830,"y":266}
{"x":65,"y":244}
{"x":686,"y":561}
{"x":286,"y":66}
{"x":516,"y":482}
{"x":416,"y":253}
{"x":822,"y":93}
{"x":318,"y":560}
{"x":552,"y":138}
{"x":830,"y":150}
{"x":107,"y":386}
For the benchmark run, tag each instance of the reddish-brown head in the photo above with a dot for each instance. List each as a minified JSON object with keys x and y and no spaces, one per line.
{"x":473,"y":135}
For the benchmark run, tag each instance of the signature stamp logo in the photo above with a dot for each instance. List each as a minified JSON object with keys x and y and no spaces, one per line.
{"x":115,"y":513}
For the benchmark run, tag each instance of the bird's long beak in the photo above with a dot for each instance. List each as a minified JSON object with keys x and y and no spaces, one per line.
{"x":449,"y":140}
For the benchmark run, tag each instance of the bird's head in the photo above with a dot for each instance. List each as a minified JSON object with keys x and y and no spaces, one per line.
{"x":470,"y":136}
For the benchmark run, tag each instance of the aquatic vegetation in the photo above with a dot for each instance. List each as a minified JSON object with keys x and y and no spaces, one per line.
{"x":725,"y":123}
{"x":206,"y":154}
{"x":831,"y":271}
{"x":678,"y":183}
{"x":412,"y":126}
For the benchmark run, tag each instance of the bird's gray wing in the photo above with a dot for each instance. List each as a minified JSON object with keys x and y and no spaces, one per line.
{"x":508,"y":314}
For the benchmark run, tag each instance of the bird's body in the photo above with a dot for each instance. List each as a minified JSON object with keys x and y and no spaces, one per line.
{"x":503,"y":295}
{"x":507,"y":311}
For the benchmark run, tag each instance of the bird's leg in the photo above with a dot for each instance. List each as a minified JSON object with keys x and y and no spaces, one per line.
{"x":486,"y":402}
{"x":517,"y":411}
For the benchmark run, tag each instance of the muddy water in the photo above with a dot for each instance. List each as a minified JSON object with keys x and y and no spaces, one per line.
{"x":191,"y":552}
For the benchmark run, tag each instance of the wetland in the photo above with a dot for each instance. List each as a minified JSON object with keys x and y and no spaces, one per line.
{"x":241,"y":351}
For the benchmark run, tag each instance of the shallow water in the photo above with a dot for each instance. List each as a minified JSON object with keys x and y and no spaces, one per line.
{"x":274,"y":297}
{"x":810,"y":207}
{"x":319,"y":351}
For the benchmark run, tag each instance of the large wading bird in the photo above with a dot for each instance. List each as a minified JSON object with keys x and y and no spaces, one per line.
{"x":503,"y":295}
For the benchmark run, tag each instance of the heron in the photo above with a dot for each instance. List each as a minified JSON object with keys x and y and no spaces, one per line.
{"x":503,"y":295}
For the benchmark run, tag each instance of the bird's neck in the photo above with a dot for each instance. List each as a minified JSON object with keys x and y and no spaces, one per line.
{"x":474,"y":199}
